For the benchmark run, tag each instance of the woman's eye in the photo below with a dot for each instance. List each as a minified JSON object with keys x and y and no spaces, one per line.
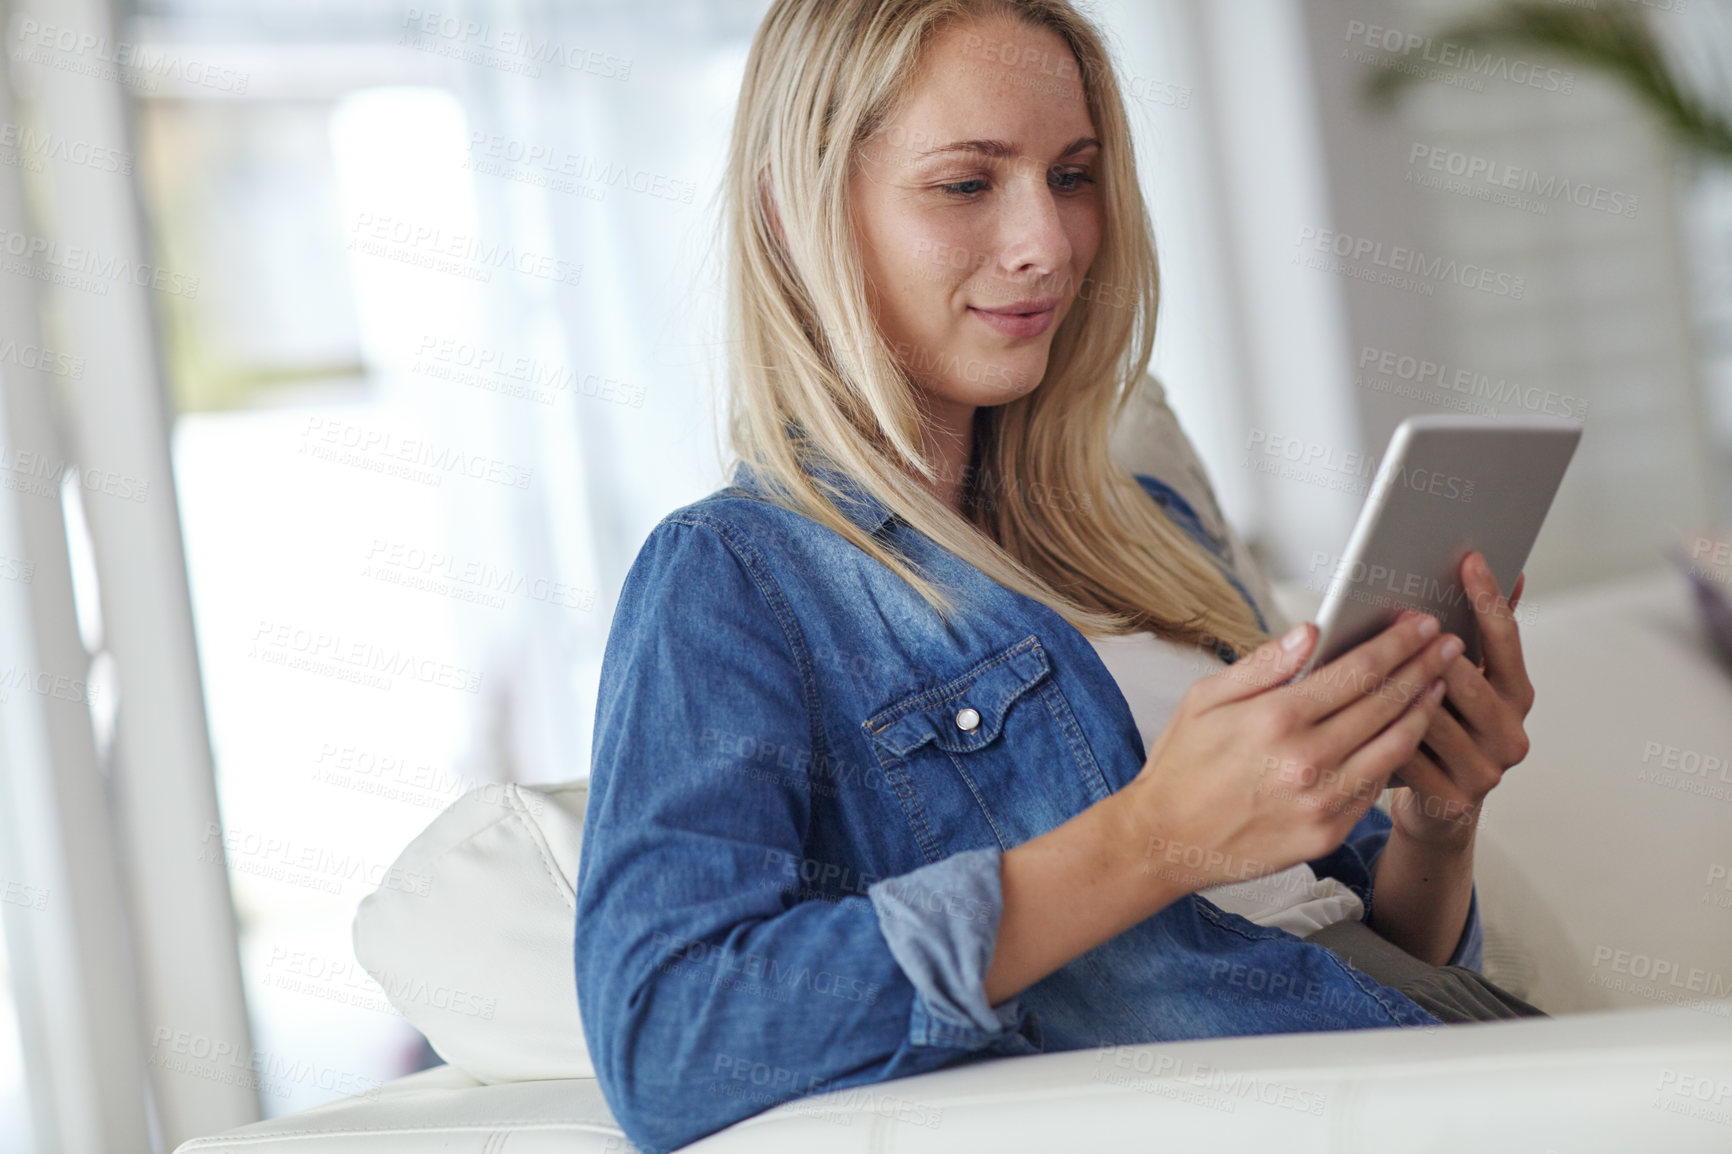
{"x":964,"y":187}
{"x":1072,"y":180}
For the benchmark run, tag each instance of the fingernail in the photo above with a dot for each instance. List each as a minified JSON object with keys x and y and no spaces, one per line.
{"x":1435,"y":693}
{"x":1427,"y":625}
{"x":1453,"y":647}
{"x":1293,"y":638}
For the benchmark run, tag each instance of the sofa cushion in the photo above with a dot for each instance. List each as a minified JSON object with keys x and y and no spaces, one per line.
{"x":471,"y":934}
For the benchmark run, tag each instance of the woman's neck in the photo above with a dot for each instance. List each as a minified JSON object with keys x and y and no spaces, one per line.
{"x":947,"y":440}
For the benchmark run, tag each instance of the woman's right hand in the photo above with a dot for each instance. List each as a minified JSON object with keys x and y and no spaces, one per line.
{"x":1251,"y":776}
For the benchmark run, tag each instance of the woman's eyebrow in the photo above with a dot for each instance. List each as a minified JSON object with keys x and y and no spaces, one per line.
{"x":999,"y":149}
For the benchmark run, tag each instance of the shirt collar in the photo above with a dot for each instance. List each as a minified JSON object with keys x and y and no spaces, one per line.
{"x":865,"y":511}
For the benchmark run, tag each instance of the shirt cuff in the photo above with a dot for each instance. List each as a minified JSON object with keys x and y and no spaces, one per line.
{"x":941,"y":922}
{"x":1470,"y":951}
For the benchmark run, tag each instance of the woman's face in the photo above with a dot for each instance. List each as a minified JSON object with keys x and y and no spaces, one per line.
{"x":977,"y":213}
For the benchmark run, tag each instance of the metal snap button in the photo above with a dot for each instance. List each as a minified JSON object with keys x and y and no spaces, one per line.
{"x":967,"y":719}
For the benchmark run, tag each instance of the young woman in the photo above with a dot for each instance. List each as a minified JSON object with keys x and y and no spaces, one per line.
{"x":938,"y":736}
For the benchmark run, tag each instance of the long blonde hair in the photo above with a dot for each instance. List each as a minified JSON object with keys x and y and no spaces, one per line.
{"x":1050,"y":514}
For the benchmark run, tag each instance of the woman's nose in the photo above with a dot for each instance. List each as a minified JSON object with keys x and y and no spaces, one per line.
{"x":1032,"y":233}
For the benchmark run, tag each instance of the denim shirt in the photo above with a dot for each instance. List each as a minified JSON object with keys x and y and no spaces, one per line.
{"x":803,"y":780}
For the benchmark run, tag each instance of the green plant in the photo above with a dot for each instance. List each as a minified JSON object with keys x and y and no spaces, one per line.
{"x":1612,"y":38}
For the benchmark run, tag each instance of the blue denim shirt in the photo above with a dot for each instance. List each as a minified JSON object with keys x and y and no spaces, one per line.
{"x":790,"y":879}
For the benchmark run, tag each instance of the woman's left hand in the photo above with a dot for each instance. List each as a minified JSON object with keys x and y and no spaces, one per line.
{"x":1478,"y":734}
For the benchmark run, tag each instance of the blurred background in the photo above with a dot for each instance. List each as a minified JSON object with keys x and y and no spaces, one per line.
{"x":350,"y":349}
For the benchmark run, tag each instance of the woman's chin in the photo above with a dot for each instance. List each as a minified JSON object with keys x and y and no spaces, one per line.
{"x":1011,"y":383}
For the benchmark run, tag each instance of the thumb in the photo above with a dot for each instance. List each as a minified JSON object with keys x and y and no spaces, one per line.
{"x":1270,"y":664}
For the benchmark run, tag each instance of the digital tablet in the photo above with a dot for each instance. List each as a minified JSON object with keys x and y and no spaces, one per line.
{"x":1448,"y":485}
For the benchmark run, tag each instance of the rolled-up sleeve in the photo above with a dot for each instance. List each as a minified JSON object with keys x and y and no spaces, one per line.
{"x":941,"y":922}
{"x":708,"y":990}
{"x":1470,"y":950}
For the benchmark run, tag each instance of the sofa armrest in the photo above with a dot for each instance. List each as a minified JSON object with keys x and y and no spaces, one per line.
{"x":1634,"y":1080}
{"x":1609,"y":1081}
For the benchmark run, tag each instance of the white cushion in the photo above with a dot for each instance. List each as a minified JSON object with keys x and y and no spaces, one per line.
{"x":471,"y":935}
{"x":1148,"y":439}
{"x":1591,"y":1083}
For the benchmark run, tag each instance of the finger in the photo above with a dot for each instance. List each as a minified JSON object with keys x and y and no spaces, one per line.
{"x":1479,"y":708}
{"x":1369,"y":766}
{"x":1464,"y":759}
{"x":1361,"y":669}
{"x":1435,"y":793}
{"x":1350,"y":727}
{"x":1269,"y":664}
{"x":1500,"y":640}
{"x":1515,"y":594}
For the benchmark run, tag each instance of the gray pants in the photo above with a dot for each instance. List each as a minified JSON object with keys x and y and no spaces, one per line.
{"x":1453,"y":993}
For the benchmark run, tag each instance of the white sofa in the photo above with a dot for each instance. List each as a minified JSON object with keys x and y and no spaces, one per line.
{"x":1603,"y":885}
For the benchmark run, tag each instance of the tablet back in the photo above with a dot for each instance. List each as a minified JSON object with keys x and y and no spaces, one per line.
{"x":1447,"y":485}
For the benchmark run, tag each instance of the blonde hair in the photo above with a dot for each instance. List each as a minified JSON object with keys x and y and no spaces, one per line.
{"x":813,"y":378}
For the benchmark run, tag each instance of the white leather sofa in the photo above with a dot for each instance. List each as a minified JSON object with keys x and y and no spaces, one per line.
{"x":1603,"y":868}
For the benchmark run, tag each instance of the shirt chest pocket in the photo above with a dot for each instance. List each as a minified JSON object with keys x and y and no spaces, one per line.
{"x":995,"y":754}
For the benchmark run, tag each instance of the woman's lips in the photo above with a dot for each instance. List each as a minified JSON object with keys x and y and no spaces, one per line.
{"x":1029,"y":319}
